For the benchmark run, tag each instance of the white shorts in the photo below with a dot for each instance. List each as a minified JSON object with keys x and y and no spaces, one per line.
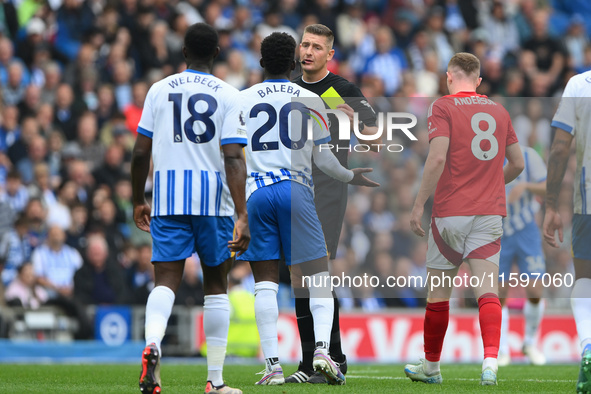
{"x":456,"y":238}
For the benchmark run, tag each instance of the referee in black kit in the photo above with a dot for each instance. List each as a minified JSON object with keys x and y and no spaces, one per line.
{"x":330,"y":195}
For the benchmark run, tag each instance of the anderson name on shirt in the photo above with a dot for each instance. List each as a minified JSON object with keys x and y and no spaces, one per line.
{"x":473,"y":100}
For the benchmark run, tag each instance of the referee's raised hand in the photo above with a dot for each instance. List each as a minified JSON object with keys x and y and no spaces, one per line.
{"x":346,"y":108}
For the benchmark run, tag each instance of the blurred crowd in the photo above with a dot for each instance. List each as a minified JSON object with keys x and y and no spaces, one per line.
{"x":74,"y":75}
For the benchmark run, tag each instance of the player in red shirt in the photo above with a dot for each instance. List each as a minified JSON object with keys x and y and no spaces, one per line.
{"x":470,"y":137}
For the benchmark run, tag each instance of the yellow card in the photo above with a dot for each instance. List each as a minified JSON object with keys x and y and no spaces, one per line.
{"x":332,"y":98}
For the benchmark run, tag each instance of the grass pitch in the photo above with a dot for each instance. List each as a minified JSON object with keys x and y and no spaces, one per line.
{"x":364,"y":378}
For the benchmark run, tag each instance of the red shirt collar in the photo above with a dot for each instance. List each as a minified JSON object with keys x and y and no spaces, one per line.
{"x":466,"y":94}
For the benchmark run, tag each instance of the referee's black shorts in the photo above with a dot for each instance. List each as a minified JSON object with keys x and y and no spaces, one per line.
{"x":330,"y":197}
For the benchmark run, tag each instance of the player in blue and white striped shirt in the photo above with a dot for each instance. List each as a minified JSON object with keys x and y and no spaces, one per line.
{"x":281,"y":209}
{"x":190,"y":126}
{"x":522,"y":243}
{"x":573,"y":122}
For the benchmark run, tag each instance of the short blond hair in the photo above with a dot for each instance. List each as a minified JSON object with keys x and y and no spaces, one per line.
{"x":466,"y":63}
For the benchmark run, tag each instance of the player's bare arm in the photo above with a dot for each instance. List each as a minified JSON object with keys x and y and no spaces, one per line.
{"x":431,"y":174}
{"x":140,"y":166}
{"x":515,"y":163}
{"x":559,"y":153}
{"x":236,"y":177}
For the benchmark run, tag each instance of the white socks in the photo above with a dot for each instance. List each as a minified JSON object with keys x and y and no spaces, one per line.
{"x":158,"y":310}
{"x":267,"y":312}
{"x":321,"y":306}
{"x":216,"y":321}
{"x":431,"y":367}
{"x":581,"y":304}
{"x":533,"y":315}
{"x":504,"y":343}
{"x":490,"y":362}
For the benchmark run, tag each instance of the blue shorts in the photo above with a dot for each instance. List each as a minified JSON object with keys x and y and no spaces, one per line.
{"x":524,"y":247}
{"x":179,"y":236}
{"x":284,"y":224}
{"x":582,"y":236}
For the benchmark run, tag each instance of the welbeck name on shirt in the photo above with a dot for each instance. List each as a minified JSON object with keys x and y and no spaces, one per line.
{"x":195,"y":79}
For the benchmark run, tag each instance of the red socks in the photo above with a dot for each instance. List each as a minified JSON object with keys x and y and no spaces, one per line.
{"x":435,"y":326}
{"x":437,"y":318}
{"x":490,"y":316}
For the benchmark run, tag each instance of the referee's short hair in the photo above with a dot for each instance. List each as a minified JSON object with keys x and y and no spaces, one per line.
{"x":278,"y":52}
{"x":318,"y":29}
{"x":201,"y":41}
